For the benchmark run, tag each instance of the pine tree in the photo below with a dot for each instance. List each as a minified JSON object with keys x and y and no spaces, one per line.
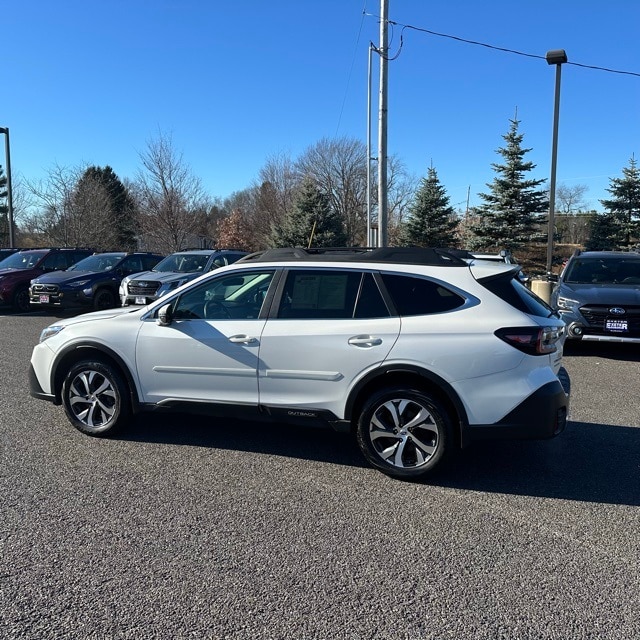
{"x":512,"y":207}
{"x":311,"y":223}
{"x":431,"y":220}
{"x":121,"y":205}
{"x":624,"y":207}
{"x":604,"y":232}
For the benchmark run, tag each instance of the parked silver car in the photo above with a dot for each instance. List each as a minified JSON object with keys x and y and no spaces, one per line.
{"x":172,"y":272}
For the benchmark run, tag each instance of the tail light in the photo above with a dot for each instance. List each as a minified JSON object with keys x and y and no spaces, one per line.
{"x":536,"y":341}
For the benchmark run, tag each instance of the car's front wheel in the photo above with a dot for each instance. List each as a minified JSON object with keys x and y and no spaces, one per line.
{"x":95,"y":398}
{"x":405,"y":433}
{"x":104,"y":299}
{"x":21,"y":300}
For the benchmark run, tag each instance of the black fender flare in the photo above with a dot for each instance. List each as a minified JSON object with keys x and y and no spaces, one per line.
{"x":397,"y":370}
{"x":73,"y":353}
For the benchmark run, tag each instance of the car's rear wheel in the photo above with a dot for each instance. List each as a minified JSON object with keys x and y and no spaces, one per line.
{"x":405,"y":433}
{"x":95,"y":398}
{"x":104,"y":299}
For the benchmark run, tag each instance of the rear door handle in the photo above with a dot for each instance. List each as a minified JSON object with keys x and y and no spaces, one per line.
{"x":365,"y":341}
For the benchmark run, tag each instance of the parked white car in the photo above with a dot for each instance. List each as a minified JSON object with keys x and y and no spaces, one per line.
{"x":415,"y":351}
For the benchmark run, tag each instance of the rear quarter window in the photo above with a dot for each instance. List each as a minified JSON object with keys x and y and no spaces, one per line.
{"x":512,"y":291}
{"x":414,"y":296}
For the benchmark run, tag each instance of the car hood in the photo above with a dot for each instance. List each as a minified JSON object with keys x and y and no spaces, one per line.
{"x":99,"y":315}
{"x":602,"y":293}
{"x":55,"y":277}
{"x":164,"y":276}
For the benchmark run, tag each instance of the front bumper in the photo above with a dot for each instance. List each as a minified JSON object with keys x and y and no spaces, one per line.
{"x":596,"y":324}
{"x":60,"y":299}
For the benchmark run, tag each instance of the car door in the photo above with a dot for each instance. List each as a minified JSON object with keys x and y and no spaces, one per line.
{"x":331,"y":327}
{"x":209,"y":352}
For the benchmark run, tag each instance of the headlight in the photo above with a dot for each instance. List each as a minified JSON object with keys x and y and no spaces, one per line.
{"x":79,"y":283}
{"x":51,"y":331}
{"x":170,"y":286}
{"x":567,"y":304}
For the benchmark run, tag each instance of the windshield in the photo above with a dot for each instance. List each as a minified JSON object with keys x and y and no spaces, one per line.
{"x":181,"y":263}
{"x":603,"y":271}
{"x":22,"y":260}
{"x":98,"y":262}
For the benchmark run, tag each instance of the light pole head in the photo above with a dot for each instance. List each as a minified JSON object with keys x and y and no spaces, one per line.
{"x":556,"y":56}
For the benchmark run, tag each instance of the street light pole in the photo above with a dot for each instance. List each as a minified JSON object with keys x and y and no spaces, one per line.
{"x":5,"y":130}
{"x":557,"y":57}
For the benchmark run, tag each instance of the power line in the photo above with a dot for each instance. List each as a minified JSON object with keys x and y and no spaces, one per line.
{"x":344,"y":100}
{"x":490,"y":46}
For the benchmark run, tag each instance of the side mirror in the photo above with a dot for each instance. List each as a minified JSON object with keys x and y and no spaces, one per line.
{"x":165,"y":315}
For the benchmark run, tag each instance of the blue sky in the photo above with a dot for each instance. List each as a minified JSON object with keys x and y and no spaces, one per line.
{"x":237,"y":82}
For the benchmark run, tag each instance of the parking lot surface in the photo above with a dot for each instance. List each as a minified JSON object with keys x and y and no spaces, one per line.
{"x":186,"y":528}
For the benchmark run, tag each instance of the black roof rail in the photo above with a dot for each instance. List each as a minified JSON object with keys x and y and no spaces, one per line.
{"x":394,"y":255}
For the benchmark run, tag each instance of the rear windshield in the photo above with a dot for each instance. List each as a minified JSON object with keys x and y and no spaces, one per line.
{"x":511,"y":290}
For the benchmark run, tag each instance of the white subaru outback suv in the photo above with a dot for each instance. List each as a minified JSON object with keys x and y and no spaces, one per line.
{"x":415,"y":351}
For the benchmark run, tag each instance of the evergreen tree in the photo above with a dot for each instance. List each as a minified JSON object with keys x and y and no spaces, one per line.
{"x":121,"y":207}
{"x":624,"y":207}
{"x":431,"y":220}
{"x":311,"y":223}
{"x":511,"y":209}
{"x":604,"y":232}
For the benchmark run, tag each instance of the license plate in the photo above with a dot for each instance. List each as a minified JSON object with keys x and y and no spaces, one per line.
{"x":616,"y":326}
{"x":44,"y":299}
{"x":141,"y":300}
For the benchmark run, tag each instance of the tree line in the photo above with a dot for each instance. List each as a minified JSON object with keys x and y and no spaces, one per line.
{"x":319,"y":199}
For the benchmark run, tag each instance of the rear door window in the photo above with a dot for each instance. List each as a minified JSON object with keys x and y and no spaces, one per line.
{"x":331,"y":294}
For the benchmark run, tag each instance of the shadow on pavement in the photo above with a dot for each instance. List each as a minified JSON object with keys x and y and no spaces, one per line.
{"x":588,"y":462}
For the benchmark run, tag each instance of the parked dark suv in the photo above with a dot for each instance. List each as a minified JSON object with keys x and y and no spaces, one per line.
{"x":17,"y":271}
{"x":92,"y":282}
{"x":5,"y":253}
{"x":598,"y":296}
{"x":172,"y":272}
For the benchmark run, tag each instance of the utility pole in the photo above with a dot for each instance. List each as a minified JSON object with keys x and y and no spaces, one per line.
{"x":5,"y":130}
{"x":383,"y":212}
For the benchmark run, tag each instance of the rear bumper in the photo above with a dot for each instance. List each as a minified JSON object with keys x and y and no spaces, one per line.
{"x":542,"y":415}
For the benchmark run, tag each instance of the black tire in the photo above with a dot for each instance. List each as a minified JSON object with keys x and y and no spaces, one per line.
{"x":21,"y":300}
{"x":104,"y":299}
{"x":405,"y":433}
{"x":95,"y":398}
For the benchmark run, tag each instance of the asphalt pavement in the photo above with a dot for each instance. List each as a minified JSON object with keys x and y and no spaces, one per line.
{"x":185,"y":527}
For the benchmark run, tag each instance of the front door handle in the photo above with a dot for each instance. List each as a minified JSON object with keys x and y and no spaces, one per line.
{"x":242,"y":339}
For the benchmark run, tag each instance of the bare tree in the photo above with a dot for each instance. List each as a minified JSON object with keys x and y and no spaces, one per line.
{"x":170,"y":198}
{"x":570,"y":199}
{"x":401,"y":189}
{"x":339,"y":169}
{"x":69,"y":211}
{"x":274,"y":196}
